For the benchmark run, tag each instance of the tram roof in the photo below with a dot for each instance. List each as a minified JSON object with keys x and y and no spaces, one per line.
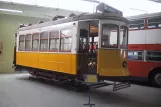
{"x":80,"y":17}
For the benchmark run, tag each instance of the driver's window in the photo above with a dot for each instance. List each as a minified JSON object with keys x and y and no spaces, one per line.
{"x":109,"y":37}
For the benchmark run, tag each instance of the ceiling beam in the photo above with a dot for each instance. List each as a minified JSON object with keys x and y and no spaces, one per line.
{"x":33,"y":10}
{"x":158,"y":1}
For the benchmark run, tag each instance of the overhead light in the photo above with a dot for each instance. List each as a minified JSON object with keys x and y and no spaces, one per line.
{"x":9,"y":10}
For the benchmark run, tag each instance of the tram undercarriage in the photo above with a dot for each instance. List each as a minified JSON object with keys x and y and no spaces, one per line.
{"x":71,"y":82}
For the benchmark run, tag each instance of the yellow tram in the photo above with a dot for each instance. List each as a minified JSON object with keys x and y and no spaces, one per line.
{"x":71,"y":48}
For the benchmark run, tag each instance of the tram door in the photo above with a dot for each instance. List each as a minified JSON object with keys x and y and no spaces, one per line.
{"x":86,"y":55}
{"x":83,"y":53}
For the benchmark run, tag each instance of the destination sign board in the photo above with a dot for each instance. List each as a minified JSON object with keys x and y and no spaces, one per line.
{"x":108,"y":9}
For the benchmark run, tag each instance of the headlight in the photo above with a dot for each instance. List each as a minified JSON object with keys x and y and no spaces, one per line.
{"x":124,"y":64}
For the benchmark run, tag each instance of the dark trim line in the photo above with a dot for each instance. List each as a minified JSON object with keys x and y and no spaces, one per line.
{"x":137,"y":78}
{"x":43,"y":70}
{"x":114,"y":78}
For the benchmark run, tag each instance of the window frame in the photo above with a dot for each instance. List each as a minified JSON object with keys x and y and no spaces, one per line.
{"x":94,"y":46}
{"x":36,"y":39}
{"x":44,"y":39}
{"x":153,"y":18}
{"x":146,"y":55}
{"x":127,"y":39}
{"x":143,"y":55}
{"x":28,"y":40}
{"x":65,"y":37}
{"x":21,"y":41}
{"x":118,"y":30}
{"x":136,"y":22}
{"x":54,"y":39}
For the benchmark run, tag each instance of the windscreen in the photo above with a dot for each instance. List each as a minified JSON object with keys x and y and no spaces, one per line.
{"x":109,"y":37}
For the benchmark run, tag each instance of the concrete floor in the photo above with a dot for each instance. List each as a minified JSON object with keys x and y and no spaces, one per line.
{"x":16,"y":90}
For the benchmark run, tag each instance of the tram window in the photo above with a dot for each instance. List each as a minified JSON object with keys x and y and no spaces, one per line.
{"x":95,"y":39}
{"x":54,"y":40}
{"x":135,"y":55}
{"x":154,"y":23}
{"x":153,"y":56}
{"x":35,"y":41}
{"x":136,"y":24}
{"x":95,"y":43}
{"x":109,"y":37}
{"x":21,"y":42}
{"x":28,"y":42}
{"x":83,"y":41}
{"x":123,"y":37}
{"x":44,"y":41}
{"x":65,"y":40}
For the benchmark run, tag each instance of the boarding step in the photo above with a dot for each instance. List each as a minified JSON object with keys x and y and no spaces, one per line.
{"x":99,"y":85}
{"x":121,"y":85}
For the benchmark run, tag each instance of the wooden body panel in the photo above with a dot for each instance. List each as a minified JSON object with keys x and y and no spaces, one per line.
{"x":110,"y":62}
{"x":65,"y":63}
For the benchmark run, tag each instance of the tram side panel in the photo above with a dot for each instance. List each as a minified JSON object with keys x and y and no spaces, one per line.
{"x":29,"y":59}
{"x":64,"y":62}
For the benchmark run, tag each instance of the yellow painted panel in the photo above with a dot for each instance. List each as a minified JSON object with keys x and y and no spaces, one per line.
{"x":27,"y":59}
{"x":33,"y":60}
{"x":110,"y":62}
{"x":65,"y":63}
{"x":53,"y":62}
{"x":43,"y":56}
{"x":43,"y":61}
{"x":74,"y":64}
{"x":48,"y":61}
{"x":43,"y":65}
{"x":92,"y":78}
{"x":19,"y":57}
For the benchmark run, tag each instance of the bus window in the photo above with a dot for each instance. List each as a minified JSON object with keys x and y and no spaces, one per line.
{"x":109,"y":37}
{"x":159,"y":25}
{"x":54,"y":41}
{"x":135,"y":55}
{"x":136,"y":24}
{"x":123,"y":37}
{"x":28,"y":42}
{"x":44,"y":41}
{"x":35,"y":42}
{"x":65,"y":40}
{"x":154,"y":23}
{"x":21,"y":43}
{"x":153,"y":56}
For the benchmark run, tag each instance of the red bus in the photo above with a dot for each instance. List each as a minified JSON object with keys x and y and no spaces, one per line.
{"x":144,"y":55}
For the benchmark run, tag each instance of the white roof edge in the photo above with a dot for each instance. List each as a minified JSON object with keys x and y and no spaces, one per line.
{"x":142,"y":16}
